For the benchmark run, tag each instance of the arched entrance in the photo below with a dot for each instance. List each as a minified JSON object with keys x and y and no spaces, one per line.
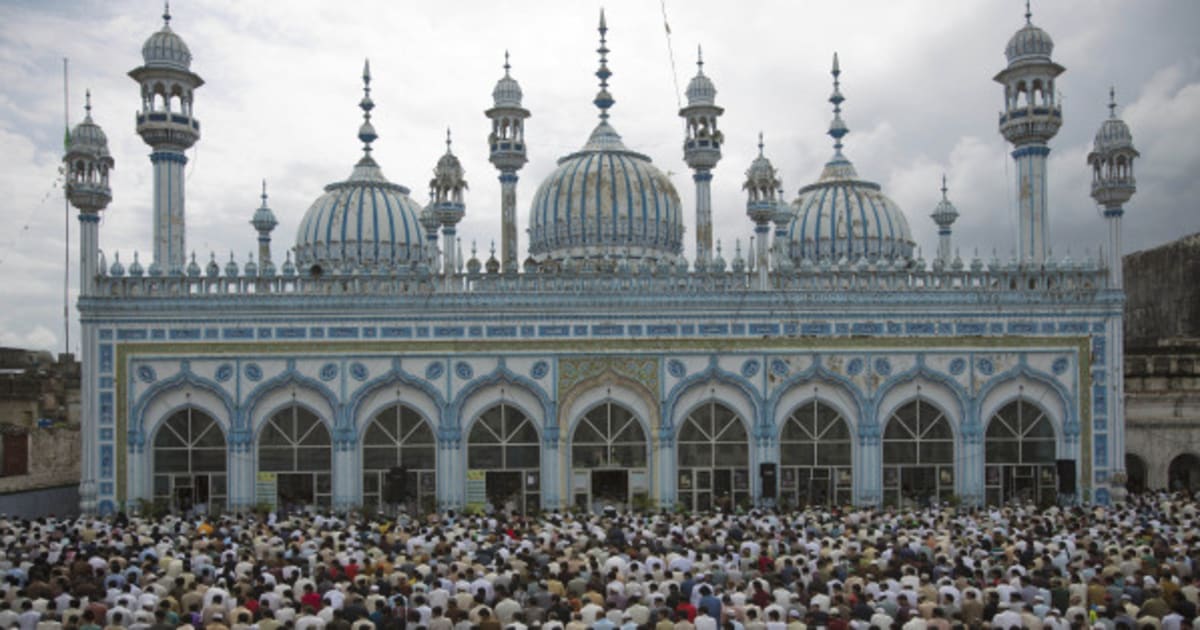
{"x":400,"y":461}
{"x":713,"y":455}
{"x":918,"y":455}
{"x":190,"y":462}
{"x":1019,"y":449}
{"x":815,"y":466}
{"x":1135,"y":472}
{"x":1184,"y":473}
{"x":609,"y":455}
{"x":296,"y":453}
{"x":503,"y":446}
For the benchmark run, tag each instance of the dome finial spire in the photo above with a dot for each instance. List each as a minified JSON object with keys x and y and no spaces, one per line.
{"x":837,"y":127}
{"x":366,"y":132}
{"x":603,"y":99}
{"x":448,"y":141}
{"x":699,"y":60}
{"x":760,"y":144}
{"x":944,"y":189}
{"x":264,"y":192}
{"x":87,"y":104}
{"x":506,"y":64}
{"x":1112,"y":101}
{"x":166,"y":13}
{"x":1028,"y":13}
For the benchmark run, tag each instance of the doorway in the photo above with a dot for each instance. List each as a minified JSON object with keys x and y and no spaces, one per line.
{"x":504,"y":490}
{"x":295,"y":489}
{"x":610,"y":487}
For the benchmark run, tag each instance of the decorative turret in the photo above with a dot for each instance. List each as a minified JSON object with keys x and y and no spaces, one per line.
{"x":507,"y":153}
{"x":446,"y":190}
{"x":702,"y":150}
{"x":86,"y":165}
{"x":264,"y":222}
{"x":762,"y":205}
{"x":944,"y":216}
{"x":1113,"y":183}
{"x":167,"y":124}
{"x":1031,"y":117}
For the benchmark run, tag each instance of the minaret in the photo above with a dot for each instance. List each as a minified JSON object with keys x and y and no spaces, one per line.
{"x":507,"y":154}
{"x":702,"y":151}
{"x":783,"y":218}
{"x":761,"y":206}
{"x":264,"y":222}
{"x":1031,"y":117}
{"x":1113,"y":184}
{"x":446,"y":190}
{"x":86,"y":164}
{"x":944,"y":215}
{"x":166,"y":123}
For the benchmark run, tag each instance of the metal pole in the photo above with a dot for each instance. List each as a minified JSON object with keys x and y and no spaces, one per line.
{"x":66,"y":226}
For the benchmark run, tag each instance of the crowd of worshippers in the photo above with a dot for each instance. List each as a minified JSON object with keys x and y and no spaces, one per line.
{"x":1131,"y":566}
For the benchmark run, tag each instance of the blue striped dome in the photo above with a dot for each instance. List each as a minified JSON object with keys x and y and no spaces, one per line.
{"x":364,"y":222}
{"x":841,"y":216}
{"x":605,"y":201}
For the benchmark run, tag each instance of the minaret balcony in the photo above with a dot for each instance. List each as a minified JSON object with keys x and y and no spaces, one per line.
{"x":163,"y":129}
{"x":701,"y":152}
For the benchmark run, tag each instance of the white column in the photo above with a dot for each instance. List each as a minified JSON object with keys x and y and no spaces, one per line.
{"x":943,"y":252}
{"x":449,"y":243}
{"x":168,"y":210}
{"x":508,"y":222}
{"x":763,"y":265}
{"x":89,"y":419}
{"x":89,"y":251}
{"x":344,"y":472}
{"x":1031,"y":199}
{"x":1115,"y":266}
{"x":704,"y":236}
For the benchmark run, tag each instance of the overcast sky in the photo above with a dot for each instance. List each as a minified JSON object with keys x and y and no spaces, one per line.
{"x":283,"y":83}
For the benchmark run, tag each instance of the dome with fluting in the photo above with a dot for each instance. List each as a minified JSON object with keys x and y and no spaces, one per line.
{"x":166,"y":49}
{"x":842,"y":216}
{"x":1029,"y":43}
{"x":364,"y":222}
{"x":1113,"y":134}
{"x":606,"y":200}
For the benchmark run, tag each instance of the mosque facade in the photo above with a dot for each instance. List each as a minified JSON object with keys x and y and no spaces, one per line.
{"x":373,"y":363}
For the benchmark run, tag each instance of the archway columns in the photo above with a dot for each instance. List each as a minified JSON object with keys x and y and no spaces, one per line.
{"x":451,"y":469}
{"x":969,"y":467}
{"x":666,"y":464}
{"x":346,"y":472}
{"x":548,"y":467}
{"x":867,"y":478}
{"x":766,"y":450}
{"x":137,"y":471}
{"x":241,"y":471}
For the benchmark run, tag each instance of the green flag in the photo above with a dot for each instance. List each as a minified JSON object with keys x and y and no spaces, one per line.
{"x":66,"y":138}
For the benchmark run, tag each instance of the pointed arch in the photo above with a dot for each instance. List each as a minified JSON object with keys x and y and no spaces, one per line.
{"x":702,"y":391}
{"x":1034,"y":385}
{"x":831,"y":388}
{"x":929,"y":385}
{"x":290,"y":387}
{"x":732,"y":383}
{"x":412,"y":391}
{"x":527,"y":394}
{"x":168,"y":395}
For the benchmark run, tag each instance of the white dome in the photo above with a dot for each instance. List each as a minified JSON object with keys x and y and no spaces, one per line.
{"x":1030,"y":43}
{"x":165,"y":49}
{"x":841,"y":216}
{"x":365,"y":221}
{"x":606,"y":200}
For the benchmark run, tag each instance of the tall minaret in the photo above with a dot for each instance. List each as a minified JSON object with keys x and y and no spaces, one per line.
{"x":762,"y":184}
{"x":86,"y":164}
{"x":1113,"y":184}
{"x":1031,"y":117}
{"x":264,"y":222}
{"x":944,"y":215}
{"x":507,"y":146}
{"x":702,"y":151}
{"x":446,"y":190}
{"x":166,"y":123}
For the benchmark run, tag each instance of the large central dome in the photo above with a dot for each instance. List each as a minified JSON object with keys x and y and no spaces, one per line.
{"x":605,"y":200}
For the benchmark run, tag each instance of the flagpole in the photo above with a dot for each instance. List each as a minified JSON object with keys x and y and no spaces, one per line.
{"x":66,"y":226}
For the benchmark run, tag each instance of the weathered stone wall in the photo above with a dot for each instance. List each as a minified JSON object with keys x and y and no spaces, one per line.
{"x":1162,"y":292}
{"x":1162,"y":408}
{"x":54,"y":456}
